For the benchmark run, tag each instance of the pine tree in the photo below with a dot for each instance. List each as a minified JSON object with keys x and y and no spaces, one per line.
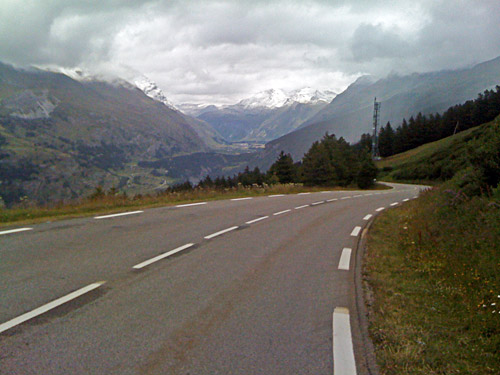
{"x":386,"y":140}
{"x":284,"y":169}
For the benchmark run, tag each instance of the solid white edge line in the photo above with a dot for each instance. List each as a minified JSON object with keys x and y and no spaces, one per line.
{"x":15,"y":230}
{"x":256,"y":220}
{"x":303,"y":193}
{"x":316,"y":203}
{"x":276,"y":195}
{"x":161,"y":256}
{"x":191,"y":204}
{"x":345,"y":259}
{"x":367,"y":217}
{"x":333,"y":199}
{"x":355,"y":231}
{"x":49,"y":306}
{"x":380,"y":209}
{"x":220,"y":232}
{"x":281,"y":212}
{"x":299,"y":207}
{"x":116,"y":215}
{"x":241,"y":199}
{"x":343,"y":351}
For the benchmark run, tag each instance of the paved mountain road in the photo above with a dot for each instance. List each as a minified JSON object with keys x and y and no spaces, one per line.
{"x":257,"y":299}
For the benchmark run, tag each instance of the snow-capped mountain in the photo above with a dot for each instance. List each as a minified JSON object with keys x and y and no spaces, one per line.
{"x":308,"y":95}
{"x":272,"y":98}
{"x":277,"y":98}
{"x":152,"y":90}
{"x":264,"y":116}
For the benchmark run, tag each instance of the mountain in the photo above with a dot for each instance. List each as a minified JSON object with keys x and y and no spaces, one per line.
{"x":264,"y":116}
{"x":350,"y":113}
{"x":60,"y":138}
{"x":152,"y":90}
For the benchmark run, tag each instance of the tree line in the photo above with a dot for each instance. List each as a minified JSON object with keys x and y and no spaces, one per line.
{"x":423,"y":129}
{"x":330,"y":161}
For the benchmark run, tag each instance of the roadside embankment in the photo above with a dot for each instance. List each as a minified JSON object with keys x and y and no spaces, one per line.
{"x":432,"y":274}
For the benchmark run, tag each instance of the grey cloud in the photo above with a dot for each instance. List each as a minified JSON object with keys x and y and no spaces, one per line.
{"x":220,"y":51}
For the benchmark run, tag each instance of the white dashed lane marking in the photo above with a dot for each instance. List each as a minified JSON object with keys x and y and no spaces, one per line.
{"x":15,"y":230}
{"x":256,"y":220}
{"x":281,"y":212}
{"x":117,"y":215}
{"x":241,"y":199}
{"x":343,"y":352}
{"x":345,"y":259}
{"x":380,"y":209}
{"x":191,"y":204}
{"x":355,"y":231}
{"x":162,"y":256}
{"x":299,"y":207}
{"x":367,"y":217}
{"x":49,"y":306}
{"x":220,"y":232}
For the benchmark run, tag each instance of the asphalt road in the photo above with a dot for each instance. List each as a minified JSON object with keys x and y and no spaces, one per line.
{"x":257,"y":299}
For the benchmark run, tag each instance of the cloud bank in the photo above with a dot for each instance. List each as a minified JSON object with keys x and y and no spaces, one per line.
{"x":221,"y":51}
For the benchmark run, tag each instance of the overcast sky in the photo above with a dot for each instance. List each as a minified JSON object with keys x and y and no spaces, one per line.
{"x":221,"y":51}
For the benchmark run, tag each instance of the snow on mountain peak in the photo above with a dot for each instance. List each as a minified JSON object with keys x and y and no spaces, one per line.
{"x":151,"y":89}
{"x":272,"y":98}
{"x":276,"y":98}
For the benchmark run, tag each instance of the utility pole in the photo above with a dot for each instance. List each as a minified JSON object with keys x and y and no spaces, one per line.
{"x":376,"y":119}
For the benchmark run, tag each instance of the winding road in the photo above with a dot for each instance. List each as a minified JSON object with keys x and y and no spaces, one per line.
{"x":260,"y":285}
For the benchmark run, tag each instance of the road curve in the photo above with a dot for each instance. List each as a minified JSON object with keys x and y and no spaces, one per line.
{"x":242,"y":286}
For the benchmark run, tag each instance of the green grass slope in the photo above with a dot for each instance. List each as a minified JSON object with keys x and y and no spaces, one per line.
{"x":434,"y":162}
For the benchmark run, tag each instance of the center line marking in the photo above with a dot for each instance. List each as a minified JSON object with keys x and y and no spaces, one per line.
{"x":380,"y":209}
{"x":276,"y":195}
{"x":299,"y":207}
{"x":116,"y":215}
{"x":355,"y":231}
{"x":220,"y":232}
{"x":343,"y":352}
{"x":316,"y":203}
{"x":49,"y":306}
{"x":331,"y":200}
{"x":256,"y":220}
{"x":367,"y":217}
{"x":241,"y":199}
{"x":303,"y":193}
{"x":191,"y":204}
{"x":345,"y":259}
{"x":15,"y":230}
{"x":281,"y":212}
{"x":161,"y":256}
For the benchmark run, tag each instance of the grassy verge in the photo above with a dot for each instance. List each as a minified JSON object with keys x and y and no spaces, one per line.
{"x":118,"y":203}
{"x":432,"y":271}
